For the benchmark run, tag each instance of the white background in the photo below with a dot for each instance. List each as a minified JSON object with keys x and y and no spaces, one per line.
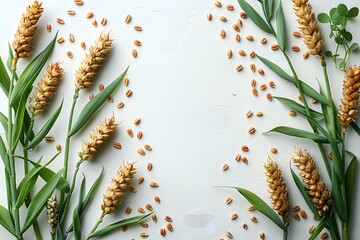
{"x":192,"y":103}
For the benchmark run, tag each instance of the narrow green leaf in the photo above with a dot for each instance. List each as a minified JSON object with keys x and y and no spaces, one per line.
{"x":30,"y":73}
{"x":4,"y":156}
{"x":4,"y":78}
{"x":46,"y":128}
{"x":261,"y":206}
{"x":255,"y":17}
{"x":336,"y":194}
{"x":117,"y":225}
{"x":39,"y":201}
{"x":76,"y":213}
{"x":295,"y":132}
{"x":94,"y":105}
{"x":59,"y":233}
{"x":324,"y":221}
{"x":350,"y":182}
{"x":6,"y":221}
{"x":300,"y":108}
{"x":305,"y":195}
{"x":280,"y":27}
{"x":4,"y":122}
{"x":355,"y":127}
{"x":10,"y":58}
{"x":47,"y":174}
{"x":268,"y":8}
{"x":309,"y":91}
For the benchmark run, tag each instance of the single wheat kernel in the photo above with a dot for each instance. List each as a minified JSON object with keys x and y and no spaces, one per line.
{"x":168,"y":218}
{"x":60,"y":40}
{"x":233,"y":216}
{"x":236,"y":27}
{"x":254,"y":219}
{"x":117,"y":145}
{"x":262,"y":86}
{"x":305,"y":55}
{"x":245,"y":160}
{"x":141,"y":151}
{"x":169,"y":227}
{"x":296,"y":216}
{"x":242,"y":53}
{"x":273,"y":150}
{"x":209,"y":16}
{"x":222,"y":33}
{"x":58,"y":147}
{"x":217,"y":4}
{"x":140,"y":210}
{"x":48,"y":27}
{"x":83,"y":45}
{"x":230,"y":7}
{"x":148,"y":147}
{"x":228,"y":200}
{"x":94,"y":23}
{"x":259,"y":114}
{"x":254,"y":91}
{"x":249,"y":113}
{"x":228,"y":235}
{"x":138,"y":28}
{"x":314,"y":101}
{"x":252,"y":54}
{"x":141,"y":180}
{"x":91,"y":96}
{"x":324,"y":235}
{"x":252,"y":67}
{"x":130,"y":132}
{"x":238,"y":157}
{"x":162,"y":232}
{"x":263,"y":41}
{"x":245,"y":226}
{"x":89,"y":15}
{"x":71,"y":37}
{"x":237,"y":38}
{"x":144,"y":234}
{"x":137,"y":121}
{"x":79,"y":2}
{"x":303,"y":214}
{"x":311,"y":229}
{"x":297,"y":34}
{"x":295,"y":48}
{"x":269,"y":96}
{"x":157,"y":199}
{"x":253,"y":83}
{"x":69,"y":54}
{"x":239,"y":22}
{"x":272,"y":84}
{"x":103,"y":21}
{"x":128,"y":93}
{"x":128,"y":19}
{"x":223,"y":19}
{"x":251,"y":130}
{"x":128,"y":210}
{"x":225,"y":167}
{"x":71,"y":12}
{"x":60,"y":21}
{"x":154,"y":217}
{"x":239,"y":67}
{"x":243,"y":15}
{"x":126,"y":81}
{"x":296,"y":208}
{"x":120,"y":105}
{"x":275,"y":47}
{"x":124,"y":228}
{"x":50,"y":138}
{"x":251,"y":208}
{"x":137,"y":43}
{"x":229,"y":54}
{"x":139,"y":134}
{"x":292,"y":113}
{"x":262,"y":235}
{"x":261,"y":71}
{"x":101,"y":87}
{"x":250,"y":38}
{"x":144,"y":224}
{"x":149,"y":207}
{"x":134,"y":53}
{"x":244,"y":148}
{"x":149,"y":166}
{"x":154,"y":184}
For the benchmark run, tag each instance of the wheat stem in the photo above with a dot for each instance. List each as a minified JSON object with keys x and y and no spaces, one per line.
{"x":99,"y":221}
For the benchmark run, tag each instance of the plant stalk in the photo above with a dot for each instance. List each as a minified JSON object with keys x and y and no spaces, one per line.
{"x":345,"y":230}
{"x":67,"y":143}
{"x":285,"y":234}
{"x":96,"y":224}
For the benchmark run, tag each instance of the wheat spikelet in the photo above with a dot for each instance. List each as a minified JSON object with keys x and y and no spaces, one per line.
{"x":26,"y":30}
{"x":52,"y":213}
{"x":277,"y":187}
{"x":46,"y":88}
{"x":97,"y":54}
{"x":97,"y":136}
{"x":350,"y":100}
{"x":117,"y":187}
{"x":310,"y":175}
{"x":308,"y":26}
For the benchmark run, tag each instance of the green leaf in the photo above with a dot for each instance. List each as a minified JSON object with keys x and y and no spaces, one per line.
{"x":309,"y":91}
{"x":295,"y":132}
{"x":342,"y":10}
{"x":4,"y":78}
{"x":280,"y":27}
{"x":323,"y":18}
{"x":10,"y":58}
{"x":355,"y":127}
{"x":47,"y":174}
{"x":4,"y":156}
{"x":6,"y":221}
{"x":336,"y":195}
{"x":324,"y":221}
{"x":76,"y":213}
{"x":4,"y":122}
{"x":350,"y":182}
{"x":94,"y":105}
{"x":261,"y":206}
{"x":30,"y":73}
{"x":268,"y":8}
{"x":305,"y":195}
{"x":39,"y":201}
{"x":117,"y":225}
{"x":255,"y":17}
{"x":328,"y":53}
{"x":354,"y":47}
{"x":353,"y":12}
{"x":300,"y":108}
{"x":348,"y":36}
{"x":46,"y":128}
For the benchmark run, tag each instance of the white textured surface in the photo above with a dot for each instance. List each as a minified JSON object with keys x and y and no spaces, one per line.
{"x":192,"y":103}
